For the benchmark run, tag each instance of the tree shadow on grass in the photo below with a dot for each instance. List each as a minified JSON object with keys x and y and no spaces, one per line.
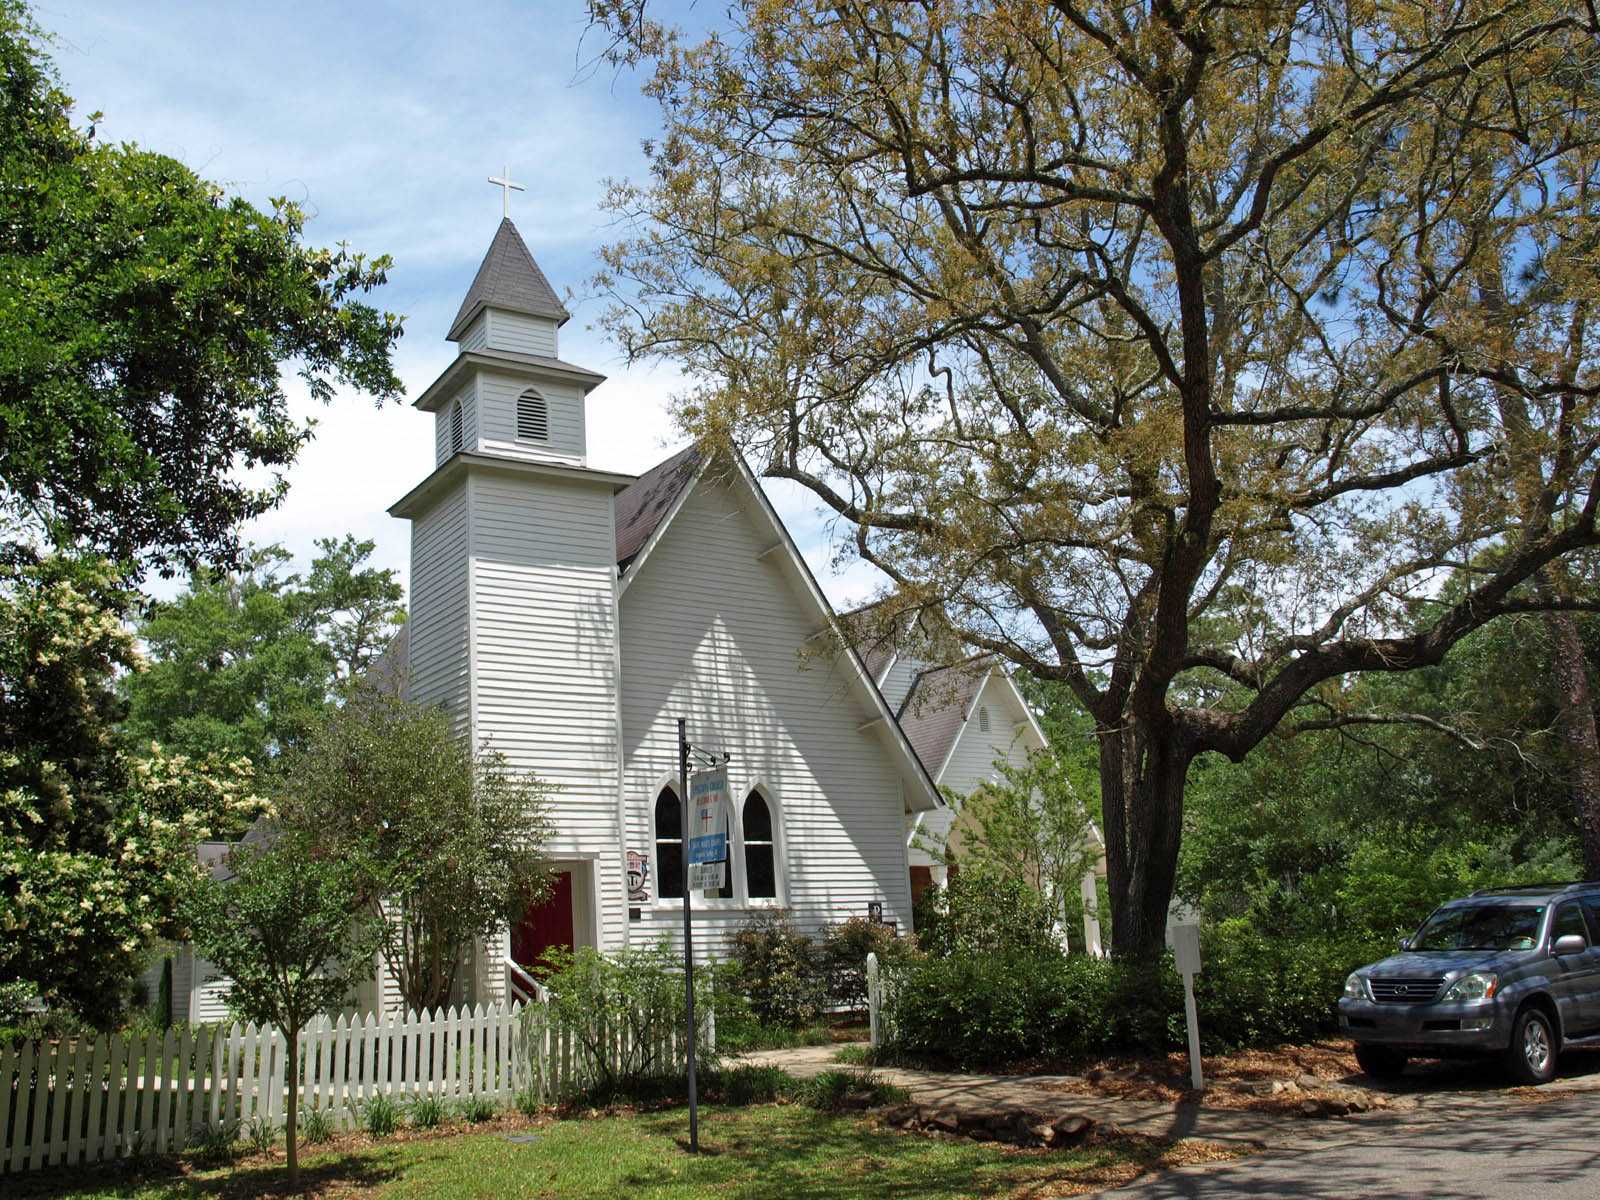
{"x":243,"y":1181}
{"x":820,"y":1157}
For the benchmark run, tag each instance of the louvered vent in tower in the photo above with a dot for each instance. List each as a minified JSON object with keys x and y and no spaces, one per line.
{"x":533,"y":417}
{"x":455,"y":427}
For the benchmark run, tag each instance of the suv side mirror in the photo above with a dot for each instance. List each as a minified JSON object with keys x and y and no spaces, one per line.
{"x":1569,"y":943}
{"x":1405,"y":943}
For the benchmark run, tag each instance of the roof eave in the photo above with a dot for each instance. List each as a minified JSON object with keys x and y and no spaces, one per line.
{"x":437,"y":392}
{"x":928,"y":797}
{"x":419,"y":498}
{"x":468,"y":315}
{"x":630,"y":569}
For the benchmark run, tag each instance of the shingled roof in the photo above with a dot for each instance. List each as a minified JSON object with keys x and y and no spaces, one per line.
{"x":872,"y":640}
{"x":936,"y":707}
{"x":644,"y":503}
{"x":508,"y":279}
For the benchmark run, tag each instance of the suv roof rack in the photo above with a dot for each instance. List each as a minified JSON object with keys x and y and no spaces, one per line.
{"x":1563,"y":886}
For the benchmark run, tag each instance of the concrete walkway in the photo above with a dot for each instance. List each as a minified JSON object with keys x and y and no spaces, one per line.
{"x":1056,"y":1094}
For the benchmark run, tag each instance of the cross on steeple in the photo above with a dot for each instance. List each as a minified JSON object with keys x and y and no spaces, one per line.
{"x":506,"y":187}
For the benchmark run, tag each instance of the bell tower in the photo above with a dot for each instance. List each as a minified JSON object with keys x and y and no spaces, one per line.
{"x":513,"y":626}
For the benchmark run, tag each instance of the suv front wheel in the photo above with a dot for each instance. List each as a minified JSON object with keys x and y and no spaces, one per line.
{"x":1379,"y":1061}
{"x":1531,"y":1057}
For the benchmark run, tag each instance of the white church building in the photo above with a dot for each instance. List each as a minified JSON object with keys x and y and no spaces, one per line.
{"x":567,"y":617}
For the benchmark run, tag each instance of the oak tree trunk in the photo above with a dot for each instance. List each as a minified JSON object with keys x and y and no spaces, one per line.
{"x":1571,"y":681}
{"x":1142,"y":773}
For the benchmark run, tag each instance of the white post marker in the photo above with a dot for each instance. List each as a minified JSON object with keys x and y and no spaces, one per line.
{"x":1186,"y":952}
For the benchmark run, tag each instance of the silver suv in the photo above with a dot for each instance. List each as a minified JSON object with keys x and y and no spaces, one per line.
{"x":1512,"y":971}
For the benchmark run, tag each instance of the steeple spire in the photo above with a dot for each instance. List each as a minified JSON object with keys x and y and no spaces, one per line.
{"x":509,"y":280}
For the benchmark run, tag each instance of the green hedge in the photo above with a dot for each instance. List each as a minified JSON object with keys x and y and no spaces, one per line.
{"x":1000,"y":1010}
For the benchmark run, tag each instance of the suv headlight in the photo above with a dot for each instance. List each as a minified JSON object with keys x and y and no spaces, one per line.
{"x":1355,"y":987}
{"x":1479,"y":985}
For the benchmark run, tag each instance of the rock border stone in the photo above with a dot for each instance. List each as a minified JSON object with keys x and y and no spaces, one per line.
{"x":1015,"y":1126}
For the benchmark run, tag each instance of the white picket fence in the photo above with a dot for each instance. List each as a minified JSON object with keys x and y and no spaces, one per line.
{"x":71,"y":1102}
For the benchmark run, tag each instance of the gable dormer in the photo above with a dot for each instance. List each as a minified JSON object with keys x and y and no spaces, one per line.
{"x":508,"y":394}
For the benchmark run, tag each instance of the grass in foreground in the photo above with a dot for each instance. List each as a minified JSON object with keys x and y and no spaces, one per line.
{"x":773,"y":1152}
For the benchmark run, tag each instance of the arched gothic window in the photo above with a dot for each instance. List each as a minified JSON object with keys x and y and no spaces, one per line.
{"x":533,"y":417}
{"x":760,"y":871}
{"x":669,"y":845}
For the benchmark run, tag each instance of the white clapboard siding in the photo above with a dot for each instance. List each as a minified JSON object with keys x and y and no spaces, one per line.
{"x":438,"y":624}
{"x":896,"y":685}
{"x":76,"y":1102}
{"x":711,"y":630}
{"x":519,"y":333}
{"x":476,"y":335}
{"x":971,"y":760}
{"x":543,"y":652}
{"x":444,"y":424}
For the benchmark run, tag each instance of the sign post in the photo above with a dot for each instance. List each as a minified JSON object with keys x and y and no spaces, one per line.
{"x":1186,"y":953}
{"x":705,"y":837}
{"x":688,"y":940}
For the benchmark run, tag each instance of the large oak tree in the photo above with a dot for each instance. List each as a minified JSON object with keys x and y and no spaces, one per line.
{"x":1175,"y":351}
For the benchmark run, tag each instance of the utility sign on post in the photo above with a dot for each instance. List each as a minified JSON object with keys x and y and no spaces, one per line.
{"x":708,"y":877}
{"x":708,"y":836}
{"x":1186,"y":957}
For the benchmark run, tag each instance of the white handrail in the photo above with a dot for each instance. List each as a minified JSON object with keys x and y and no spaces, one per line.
{"x":523,"y":987}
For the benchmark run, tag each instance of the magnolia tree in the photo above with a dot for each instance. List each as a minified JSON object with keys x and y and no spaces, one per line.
{"x":146,"y":319}
{"x":442,"y":841}
{"x":1177,"y":353}
{"x":97,"y":844}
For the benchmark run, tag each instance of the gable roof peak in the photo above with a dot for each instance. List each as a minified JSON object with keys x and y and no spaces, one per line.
{"x":508,"y":279}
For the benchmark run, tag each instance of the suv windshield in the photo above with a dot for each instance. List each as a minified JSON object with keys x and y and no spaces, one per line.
{"x":1481,"y":927}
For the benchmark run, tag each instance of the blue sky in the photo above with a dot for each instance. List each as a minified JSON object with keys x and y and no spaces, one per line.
{"x":385,"y":121}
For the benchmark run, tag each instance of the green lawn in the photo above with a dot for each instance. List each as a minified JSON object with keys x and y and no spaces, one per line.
{"x":770,"y":1152}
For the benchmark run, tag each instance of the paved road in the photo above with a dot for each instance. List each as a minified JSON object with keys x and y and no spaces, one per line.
{"x":1539,"y":1151}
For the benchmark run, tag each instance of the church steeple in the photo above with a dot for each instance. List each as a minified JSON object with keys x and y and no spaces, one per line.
{"x":508,"y":394}
{"x":508,"y":280}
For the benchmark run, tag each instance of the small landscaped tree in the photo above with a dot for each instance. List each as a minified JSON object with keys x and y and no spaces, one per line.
{"x":443,"y":840}
{"x":283,"y":931}
{"x":1032,"y":825}
{"x":986,"y":914}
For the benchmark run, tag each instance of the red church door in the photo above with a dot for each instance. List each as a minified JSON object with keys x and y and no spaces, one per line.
{"x":545,"y":925}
